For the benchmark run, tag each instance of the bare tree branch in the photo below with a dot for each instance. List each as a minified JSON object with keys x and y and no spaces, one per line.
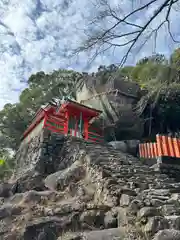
{"x":115,"y":35}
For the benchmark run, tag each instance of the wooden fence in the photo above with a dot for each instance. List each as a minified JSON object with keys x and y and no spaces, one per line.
{"x":95,"y":135}
{"x":54,"y":125}
{"x":164,"y":146}
{"x":58,"y":125}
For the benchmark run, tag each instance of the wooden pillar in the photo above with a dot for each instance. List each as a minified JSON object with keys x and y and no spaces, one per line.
{"x":66,"y":123}
{"x":45,"y":120}
{"x":76,"y":126}
{"x":86,"y":126}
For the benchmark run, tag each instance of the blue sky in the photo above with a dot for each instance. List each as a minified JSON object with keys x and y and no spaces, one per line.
{"x":38,"y":35}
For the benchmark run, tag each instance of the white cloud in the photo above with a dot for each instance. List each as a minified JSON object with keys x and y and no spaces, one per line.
{"x":38,"y":34}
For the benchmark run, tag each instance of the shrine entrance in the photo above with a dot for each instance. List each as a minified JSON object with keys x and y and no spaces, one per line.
{"x":76,"y":126}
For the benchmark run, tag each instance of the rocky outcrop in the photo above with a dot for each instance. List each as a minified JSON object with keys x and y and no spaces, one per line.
{"x":127,"y":146}
{"x":117,"y":99}
{"x":90,"y":192}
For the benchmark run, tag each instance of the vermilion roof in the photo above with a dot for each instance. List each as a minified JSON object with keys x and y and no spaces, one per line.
{"x":69,"y":106}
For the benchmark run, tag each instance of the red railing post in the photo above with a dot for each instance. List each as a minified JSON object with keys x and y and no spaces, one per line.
{"x":145,"y":150}
{"x":152,"y":150}
{"x":140,"y":151}
{"x":165,"y":145}
{"x":171,"y":147}
{"x":159,"y":146}
{"x":176,"y":147}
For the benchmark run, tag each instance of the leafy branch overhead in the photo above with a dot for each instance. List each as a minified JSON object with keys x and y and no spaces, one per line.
{"x":113,"y":27}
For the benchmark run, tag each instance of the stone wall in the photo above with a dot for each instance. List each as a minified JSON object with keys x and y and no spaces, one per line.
{"x":35,"y":132}
{"x":39,"y":154}
{"x":45,"y":153}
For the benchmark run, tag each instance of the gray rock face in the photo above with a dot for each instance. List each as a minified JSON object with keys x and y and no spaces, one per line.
{"x":61,"y":179}
{"x":125,"y":200}
{"x":126,"y":146}
{"x":110,"y":220}
{"x":155,"y":224}
{"x":39,"y":155}
{"x":8,"y":189}
{"x":167,"y":235}
{"x":148,"y":212}
{"x":119,"y":145}
{"x":108,"y":234}
{"x":91,"y":191}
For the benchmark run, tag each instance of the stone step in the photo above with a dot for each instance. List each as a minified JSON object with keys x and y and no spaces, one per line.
{"x":119,"y":172}
{"x":114,"y":158}
{"x":139,"y":178}
{"x":122,"y":169}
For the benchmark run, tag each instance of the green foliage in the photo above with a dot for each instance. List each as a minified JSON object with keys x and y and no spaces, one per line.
{"x":14,"y":118}
{"x":6,"y":164}
{"x":150,"y":69}
{"x":104,"y":72}
{"x":160,"y":78}
{"x":13,"y":121}
{"x":175,"y":59}
{"x":126,"y":72}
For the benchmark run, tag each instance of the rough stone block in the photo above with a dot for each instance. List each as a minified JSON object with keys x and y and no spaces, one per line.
{"x":155,"y":224}
{"x":170,"y":209}
{"x":174,"y":221}
{"x":148,"y":212}
{"x":125,"y":200}
{"x":110,"y":221}
{"x":167,"y":234}
{"x":107,"y":234}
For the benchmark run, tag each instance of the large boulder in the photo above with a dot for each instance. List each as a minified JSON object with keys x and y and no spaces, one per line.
{"x":117,"y":99}
{"x":126,"y":146}
{"x":119,"y":145}
{"x":61,"y":179}
{"x":8,"y":189}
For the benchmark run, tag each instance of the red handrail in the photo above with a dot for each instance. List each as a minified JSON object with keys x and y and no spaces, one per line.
{"x":49,"y":125}
{"x":95,"y":130}
{"x":164,"y":146}
{"x":56,"y":118}
{"x":98,"y":137}
{"x":55,"y":130}
{"x":95,"y":139}
{"x":55,"y":121}
{"x":96,"y":134}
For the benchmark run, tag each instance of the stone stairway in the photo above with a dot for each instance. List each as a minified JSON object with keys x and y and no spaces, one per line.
{"x":149,"y":196}
{"x":128,"y":168}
